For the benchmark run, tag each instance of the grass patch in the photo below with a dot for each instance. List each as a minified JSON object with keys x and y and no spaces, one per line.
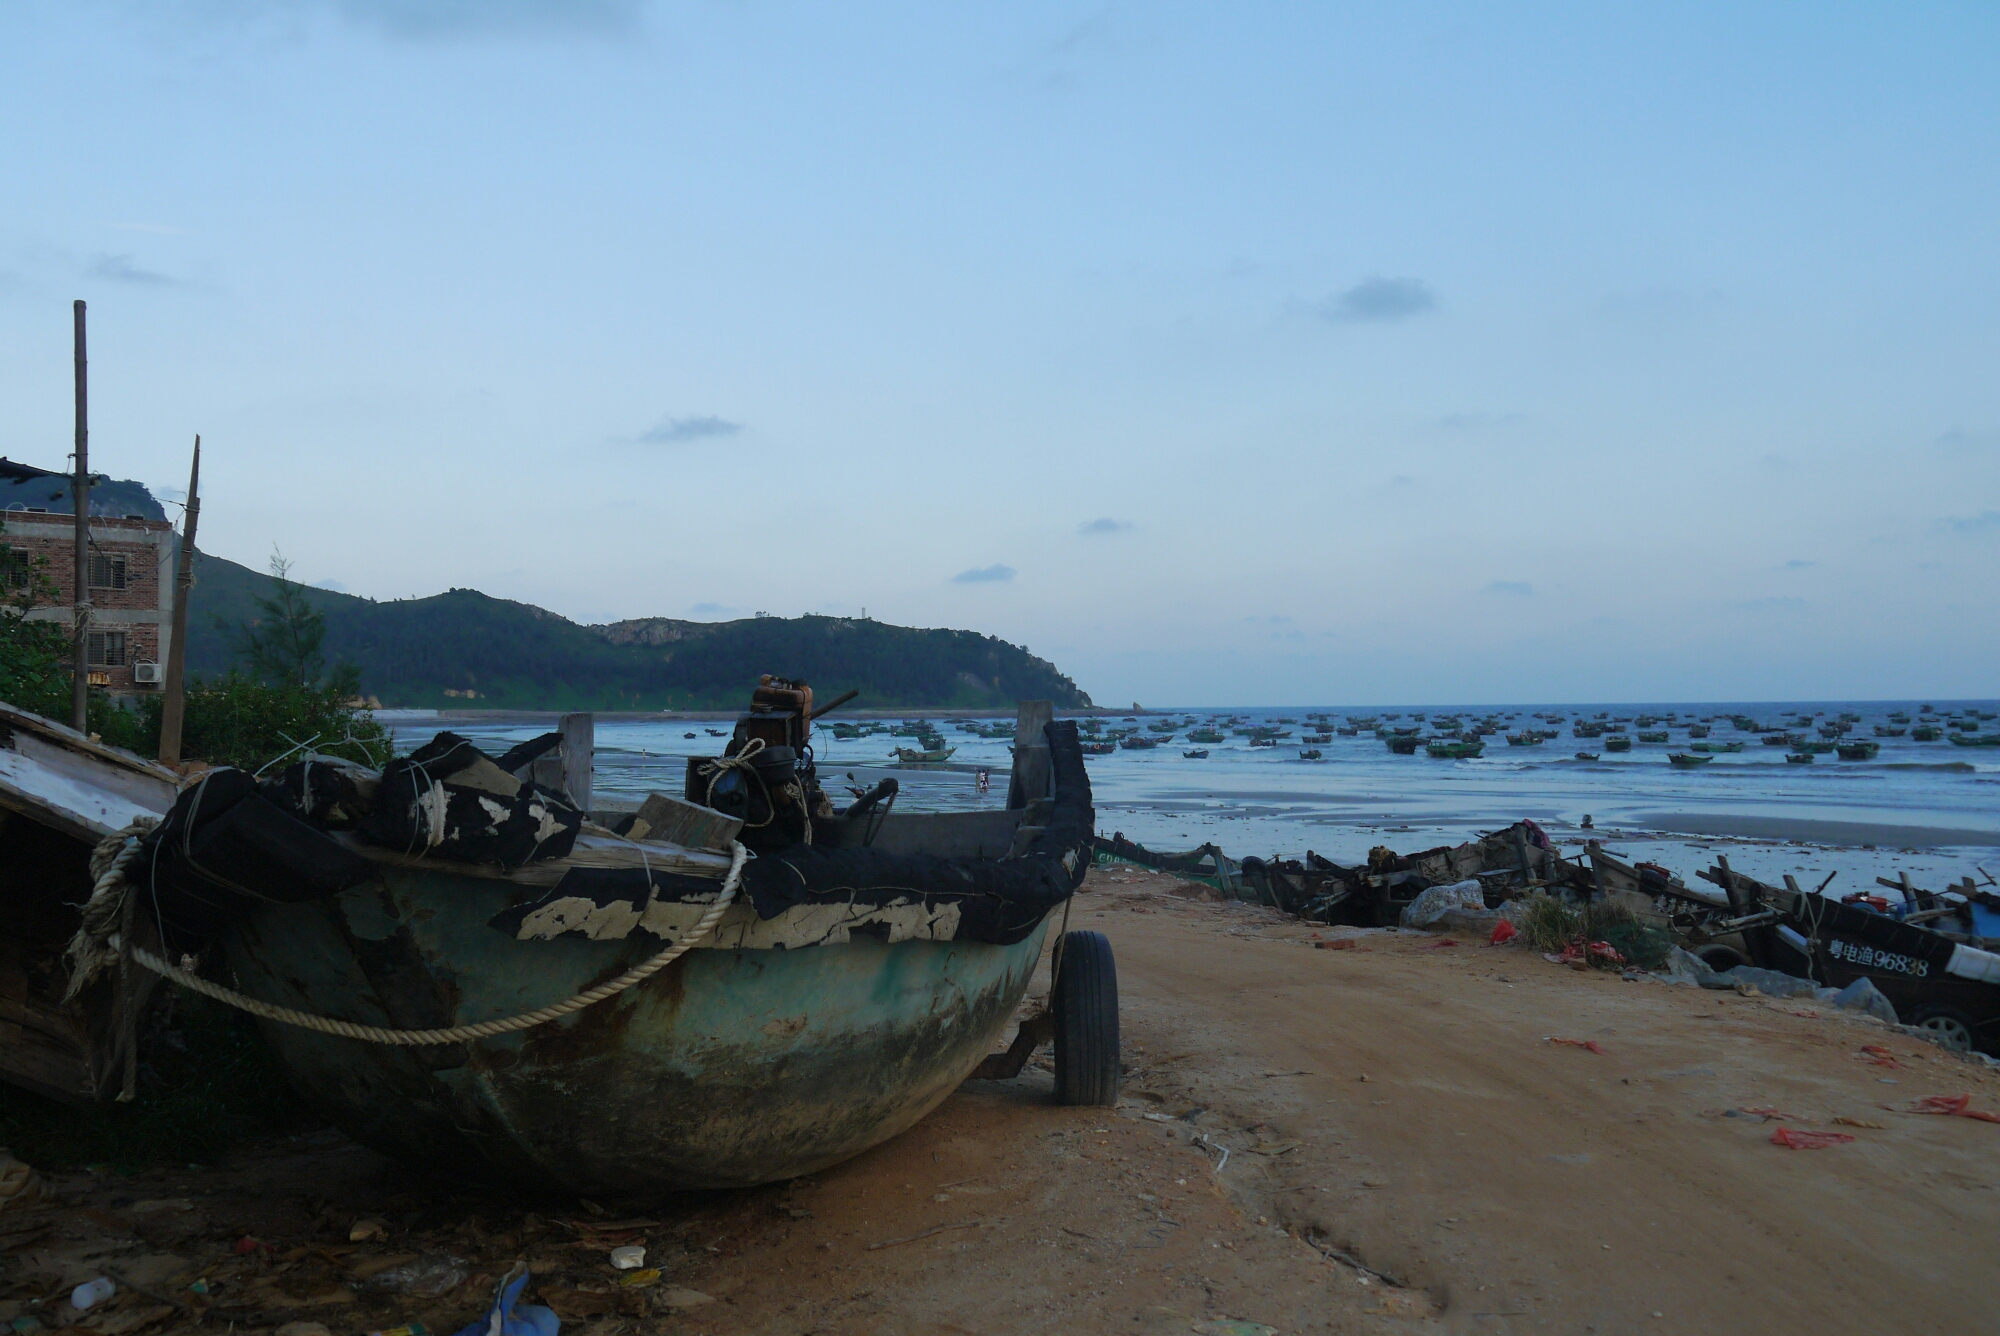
{"x":1550,"y":924}
{"x":213,"y":1085}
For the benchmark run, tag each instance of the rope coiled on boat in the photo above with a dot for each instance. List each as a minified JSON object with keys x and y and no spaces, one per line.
{"x":457,"y":1034}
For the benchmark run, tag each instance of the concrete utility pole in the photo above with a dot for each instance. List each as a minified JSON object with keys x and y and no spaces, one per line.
{"x":173,"y":707}
{"x":79,"y":698}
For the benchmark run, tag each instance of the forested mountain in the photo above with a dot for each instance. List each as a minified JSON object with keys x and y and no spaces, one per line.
{"x":462,"y":648}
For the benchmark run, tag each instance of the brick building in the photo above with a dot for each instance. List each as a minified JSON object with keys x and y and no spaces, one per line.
{"x":131,"y":568}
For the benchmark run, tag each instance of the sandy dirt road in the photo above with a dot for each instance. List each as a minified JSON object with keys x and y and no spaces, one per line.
{"x":1375,"y":1139}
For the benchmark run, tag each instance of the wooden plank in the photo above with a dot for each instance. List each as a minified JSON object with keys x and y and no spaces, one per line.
{"x":1032,"y":775}
{"x":677,"y":821}
{"x":579,"y":756}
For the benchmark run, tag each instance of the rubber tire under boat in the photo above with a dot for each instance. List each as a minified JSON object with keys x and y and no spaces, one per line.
{"x":1085,"y":1004}
{"x":1948,"y":1025}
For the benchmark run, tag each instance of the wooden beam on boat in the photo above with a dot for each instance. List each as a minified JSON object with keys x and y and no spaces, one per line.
{"x":1033,"y":773}
{"x":579,"y":757}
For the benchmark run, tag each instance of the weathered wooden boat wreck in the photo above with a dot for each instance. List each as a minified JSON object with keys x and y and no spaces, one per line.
{"x":459,"y":967}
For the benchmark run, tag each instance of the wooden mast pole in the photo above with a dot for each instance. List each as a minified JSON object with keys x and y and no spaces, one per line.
{"x":174,"y":705}
{"x":79,"y":699}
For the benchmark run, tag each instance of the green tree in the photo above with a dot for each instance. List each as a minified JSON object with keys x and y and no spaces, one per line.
{"x":283,"y":646}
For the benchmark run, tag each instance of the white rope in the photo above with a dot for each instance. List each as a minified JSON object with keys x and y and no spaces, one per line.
{"x":460,"y":1033}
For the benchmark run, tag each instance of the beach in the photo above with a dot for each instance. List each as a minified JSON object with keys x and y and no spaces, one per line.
{"x":1377,"y":1139}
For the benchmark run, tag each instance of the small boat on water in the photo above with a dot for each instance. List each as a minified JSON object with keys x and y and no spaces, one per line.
{"x":1689,"y":760}
{"x":1310,"y":754}
{"x":1975,"y":740}
{"x":1586,"y":756}
{"x":1617,"y":742}
{"x":1205,"y":735}
{"x":1400,"y":744}
{"x":1698,"y":730}
{"x":1926,"y":733}
{"x":929,"y":756}
{"x":1447,"y":749}
{"x":1528,"y":739}
{"x":1139,"y":742}
{"x":1799,"y":758}
{"x":1196,"y":753}
{"x":1658,"y":735}
{"x":1098,"y":748}
{"x":1859,"y":751}
{"x":1885,"y":731}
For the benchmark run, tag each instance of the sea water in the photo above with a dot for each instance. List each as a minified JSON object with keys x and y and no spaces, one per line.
{"x":1928,"y":808}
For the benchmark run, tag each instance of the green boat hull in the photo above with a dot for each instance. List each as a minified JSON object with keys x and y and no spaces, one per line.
{"x":727,"y":1069}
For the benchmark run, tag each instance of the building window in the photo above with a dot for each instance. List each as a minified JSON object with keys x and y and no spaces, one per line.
{"x":106,"y":571}
{"x":107,"y":649}
{"x":16,"y":567}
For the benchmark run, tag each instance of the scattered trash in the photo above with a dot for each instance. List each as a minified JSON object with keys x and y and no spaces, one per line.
{"x":1844,"y":1121}
{"x":1951,"y":1106}
{"x":1580,"y":952}
{"x":1876,"y":1055}
{"x":91,"y":1293}
{"x":675,"y":1296}
{"x":1433,"y":946}
{"x":640,"y":1279}
{"x":1798,"y":1140}
{"x":1590,"y":1044}
{"x":247,"y":1245}
{"x":363,"y":1230}
{"x":20,"y":1185}
{"x":1336,"y":944}
{"x":1503,"y":932}
{"x":430,"y":1277}
{"x":1768,"y":1114}
{"x":508,"y":1316}
{"x":628,"y":1258}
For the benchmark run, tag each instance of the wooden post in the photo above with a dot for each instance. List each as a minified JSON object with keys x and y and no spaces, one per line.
{"x":1736,"y":905}
{"x":579,"y":750}
{"x":174,"y":704}
{"x":79,"y":697}
{"x":1033,"y":772}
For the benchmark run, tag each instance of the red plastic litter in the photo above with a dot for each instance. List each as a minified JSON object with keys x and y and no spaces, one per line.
{"x":1590,"y":1044}
{"x":1503,"y":932}
{"x":247,"y":1245}
{"x":1582,"y":950}
{"x":1436,"y":945}
{"x":1336,"y":944}
{"x":1878,"y":1055}
{"x":1952,"y":1106}
{"x":1797,"y":1140}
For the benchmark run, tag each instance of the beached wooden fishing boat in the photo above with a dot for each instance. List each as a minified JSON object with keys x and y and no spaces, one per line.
{"x":826,"y":995}
{"x":1688,"y":761}
{"x":929,"y":756}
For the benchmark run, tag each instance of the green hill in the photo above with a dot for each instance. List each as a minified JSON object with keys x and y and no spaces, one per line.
{"x":462,"y":648}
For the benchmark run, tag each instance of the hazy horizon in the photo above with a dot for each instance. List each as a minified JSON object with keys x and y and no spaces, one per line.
{"x":1449,"y":351}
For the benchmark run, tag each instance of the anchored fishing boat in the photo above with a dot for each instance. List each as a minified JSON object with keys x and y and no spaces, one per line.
{"x":461,"y":968}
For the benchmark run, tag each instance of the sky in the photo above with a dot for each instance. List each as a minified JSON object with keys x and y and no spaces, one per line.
{"x":1222,"y":354}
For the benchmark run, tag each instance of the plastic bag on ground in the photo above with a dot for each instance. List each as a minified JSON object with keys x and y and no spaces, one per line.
{"x":1768,"y":982}
{"x":1432,"y":905}
{"x":510,"y":1317}
{"x":1863,"y":996}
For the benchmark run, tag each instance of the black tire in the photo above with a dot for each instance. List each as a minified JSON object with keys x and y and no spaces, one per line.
{"x":1720,"y":958}
{"x":1948,"y":1025}
{"x":1085,"y":1008}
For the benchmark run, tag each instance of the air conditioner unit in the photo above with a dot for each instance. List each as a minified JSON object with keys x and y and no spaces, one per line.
{"x":148,"y":674}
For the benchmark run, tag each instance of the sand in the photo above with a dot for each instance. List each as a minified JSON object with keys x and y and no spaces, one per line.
{"x":1406,"y":1150}
{"x":1849,"y":833}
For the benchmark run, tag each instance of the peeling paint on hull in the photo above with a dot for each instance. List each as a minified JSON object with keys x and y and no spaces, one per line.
{"x":727,"y":1069}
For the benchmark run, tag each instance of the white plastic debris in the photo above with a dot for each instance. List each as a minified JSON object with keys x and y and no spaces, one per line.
{"x":629,"y":1258}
